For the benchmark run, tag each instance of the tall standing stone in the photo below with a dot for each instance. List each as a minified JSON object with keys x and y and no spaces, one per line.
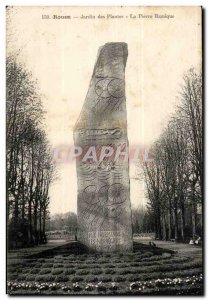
{"x":104,"y":212}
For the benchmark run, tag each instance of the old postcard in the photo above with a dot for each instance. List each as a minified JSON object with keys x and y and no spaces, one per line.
{"x":104,"y":150}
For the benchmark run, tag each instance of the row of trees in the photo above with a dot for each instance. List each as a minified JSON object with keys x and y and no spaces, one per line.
{"x":29,"y":168}
{"x":142,"y":220}
{"x":62,"y":221}
{"x":174,"y":176}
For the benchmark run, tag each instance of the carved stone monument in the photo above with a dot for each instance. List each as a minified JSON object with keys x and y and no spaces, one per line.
{"x":104,"y":211}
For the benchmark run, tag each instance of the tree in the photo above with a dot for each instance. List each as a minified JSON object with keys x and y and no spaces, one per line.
{"x":30,"y":170}
{"x":137,"y":219}
{"x":59,"y":221}
{"x":174,"y":176}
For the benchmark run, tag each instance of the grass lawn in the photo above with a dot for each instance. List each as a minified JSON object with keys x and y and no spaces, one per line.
{"x":70,"y":269}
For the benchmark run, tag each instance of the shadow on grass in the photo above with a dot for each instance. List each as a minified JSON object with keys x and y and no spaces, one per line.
{"x":76,"y":248}
{"x":147,"y":248}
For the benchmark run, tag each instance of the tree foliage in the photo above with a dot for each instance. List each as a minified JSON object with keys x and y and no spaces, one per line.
{"x":62,"y":221}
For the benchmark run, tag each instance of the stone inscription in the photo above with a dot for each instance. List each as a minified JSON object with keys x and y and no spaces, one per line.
{"x":105,"y":237}
{"x":100,"y":133}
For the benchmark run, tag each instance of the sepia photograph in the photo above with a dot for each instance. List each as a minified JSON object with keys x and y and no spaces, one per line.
{"x":104,"y":150}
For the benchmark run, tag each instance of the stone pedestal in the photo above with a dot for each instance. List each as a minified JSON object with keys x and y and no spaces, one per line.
{"x":104,"y":212}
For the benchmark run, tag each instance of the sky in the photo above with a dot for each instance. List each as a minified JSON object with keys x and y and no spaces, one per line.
{"x":61,"y":54}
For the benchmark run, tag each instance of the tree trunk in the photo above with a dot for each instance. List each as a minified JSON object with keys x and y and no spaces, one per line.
{"x":16,"y":211}
{"x":40,"y":226}
{"x":159,"y":227}
{"x":169,"y":224}
{"x":182,"y":221}
{"x":176,"y":219}
{"x":44,"y":220}
{"x":164,"y":237}
{"x":193,"y":216}
{"x":23,"y":183}
{"x":193,"y":212}
{"x":35,"y":223}
{"x":31,"y":196}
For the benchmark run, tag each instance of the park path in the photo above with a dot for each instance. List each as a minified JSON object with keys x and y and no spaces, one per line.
{"x":180,"y":248}
{"x":19,"y":254}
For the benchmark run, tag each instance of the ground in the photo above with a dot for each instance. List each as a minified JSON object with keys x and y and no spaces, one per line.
{"x":67,"y":268}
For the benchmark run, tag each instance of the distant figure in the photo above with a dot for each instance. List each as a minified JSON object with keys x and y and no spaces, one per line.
{"x":191,"y":242}
{"x":75,"y":237}
{"x":198,"y":241}
{"x":152,"y":244}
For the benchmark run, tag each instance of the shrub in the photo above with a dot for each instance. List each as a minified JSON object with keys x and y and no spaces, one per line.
{"x":49,"y":278}
{"x":38,"y":265}
{"x":57,"y":271}
{"x":47,"y":265}
{"x":136,"y":271}
{"x":83,"y":266}
{"x":22,"y":276}
{"x":103,"y":261}
{"x":80,"y":258}
{"x":87,"y":255}
{"x":12,"y":270}
{"x":58,"y":265}
{"x":69,"y":266}
{"x":31,"y":278}
{"x":24,"y":264}
{"x":182,"y":273}
{"x":30,"y":260}
{"x":107,"y":255}
{"x":69,"y":271}
{"x":147,"y":254}
{"x":34,"y":271}
{"x":93,"y":262}
{"x":135,"y":264}
{"x":58,"y":257}
{"x":91,"y":279}
{"x":119,"y":279}
{"x":32,"y":264}
{"x":77,"y":279}
{"x":96,"y":271}
{"x":66,"y":256}
{"x":109,"y":266}
{"x":137,"y":253}
{"x":133,"y":278}
{"x":61,"y":279}
{"x":120,"y":254}
{"x":82,"y":272}
{"x":96,"y":266}
{"x":105,"y":279}
{"x":124,"y":271}
{"x":72,"y":256}
{"x":25,"y":271}
{"x":45,"y":271}
{"x":45,"y":278}
{"x":129,"y":255}
{"x":109,"y":271}
{"x":13,"y":276}
{"x":50,"y":260}
{"x":153,"y":258}
{"x":122,"y":265}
